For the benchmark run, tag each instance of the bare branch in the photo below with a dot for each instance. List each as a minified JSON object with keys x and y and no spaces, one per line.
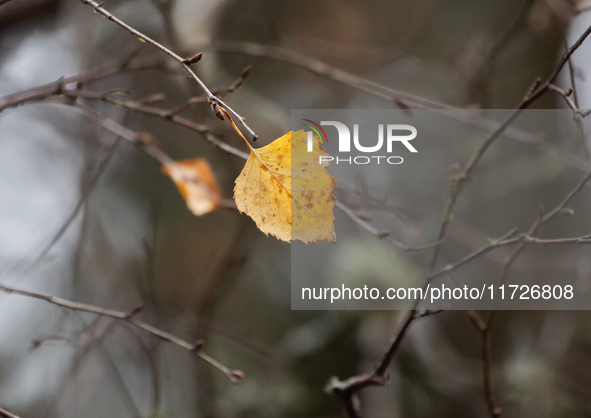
{"x":562,"y":205}
{"x":577,"y":113}
{"x":44,"y":92}
{"x":458,"y":179}
{"x":322,"y":69}
{"x":145,"y":140}
{"x":129,"y":317}
{"x":162,"y":113}
{"x":3,"y":412}
{"x":485,"y":329}
{"x":383,"y":235}
{"x":128,"y":63}
{"x":219,"y":92}
{"x":213,"y":100}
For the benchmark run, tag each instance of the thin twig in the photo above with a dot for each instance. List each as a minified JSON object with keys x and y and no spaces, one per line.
{"x":459,"y":179}
{"x":3,"y":412}
{"x":383,"y":234}
{"x":129,"y":317}
{"x":562,"y":205}
{"x":128,"y":63}
{"x":143,"y":139}
{"x":573,"y":83}
{"x":213,"y":100}
{"x":57,"y":88}
{"x":322,"y":69}
{"x":154,"y":60}
{"x":485,"y":326}
{"x":573,"y":76}
{"x":346,"y":391}
{"x":577,"y":113}
{"x":218,"y":92}
{"x":565,"y":95}
{"x":162,"y":113}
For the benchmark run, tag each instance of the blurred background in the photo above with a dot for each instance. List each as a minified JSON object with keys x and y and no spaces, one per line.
{"x":89,"y":217}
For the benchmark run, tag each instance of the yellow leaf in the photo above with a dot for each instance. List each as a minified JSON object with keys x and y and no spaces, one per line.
{"x":285,"y":190}
{"x":197,"y":184}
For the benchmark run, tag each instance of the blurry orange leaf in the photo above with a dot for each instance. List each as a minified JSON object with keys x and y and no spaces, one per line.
{"x":286,"y":191}
{"x":197,"y":184}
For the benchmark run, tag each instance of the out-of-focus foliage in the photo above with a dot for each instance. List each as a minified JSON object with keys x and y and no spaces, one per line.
{"x":196,"y":183}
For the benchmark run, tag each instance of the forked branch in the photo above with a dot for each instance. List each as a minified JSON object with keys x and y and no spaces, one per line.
{"x":213,"y":100}
{"x":129,"y":317}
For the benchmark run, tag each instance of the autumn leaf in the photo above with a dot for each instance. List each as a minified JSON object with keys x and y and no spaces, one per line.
{"x":285,"y":190}
{"x":197,"y":184}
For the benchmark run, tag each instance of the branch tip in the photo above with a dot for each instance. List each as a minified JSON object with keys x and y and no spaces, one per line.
{"x":236,"y":375}
{"x":194,"y":59}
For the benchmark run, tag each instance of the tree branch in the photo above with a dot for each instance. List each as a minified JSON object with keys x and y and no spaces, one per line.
{"x":485,"y":326}
{"x":3,"y":412}
{"x":384,"y":234}
{"x":186,"y":63}
{"x":128,"y":317}
{"x":459,"y":178}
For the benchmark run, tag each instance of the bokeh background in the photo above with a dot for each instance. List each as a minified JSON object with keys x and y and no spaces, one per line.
{"x":90,"y":218}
